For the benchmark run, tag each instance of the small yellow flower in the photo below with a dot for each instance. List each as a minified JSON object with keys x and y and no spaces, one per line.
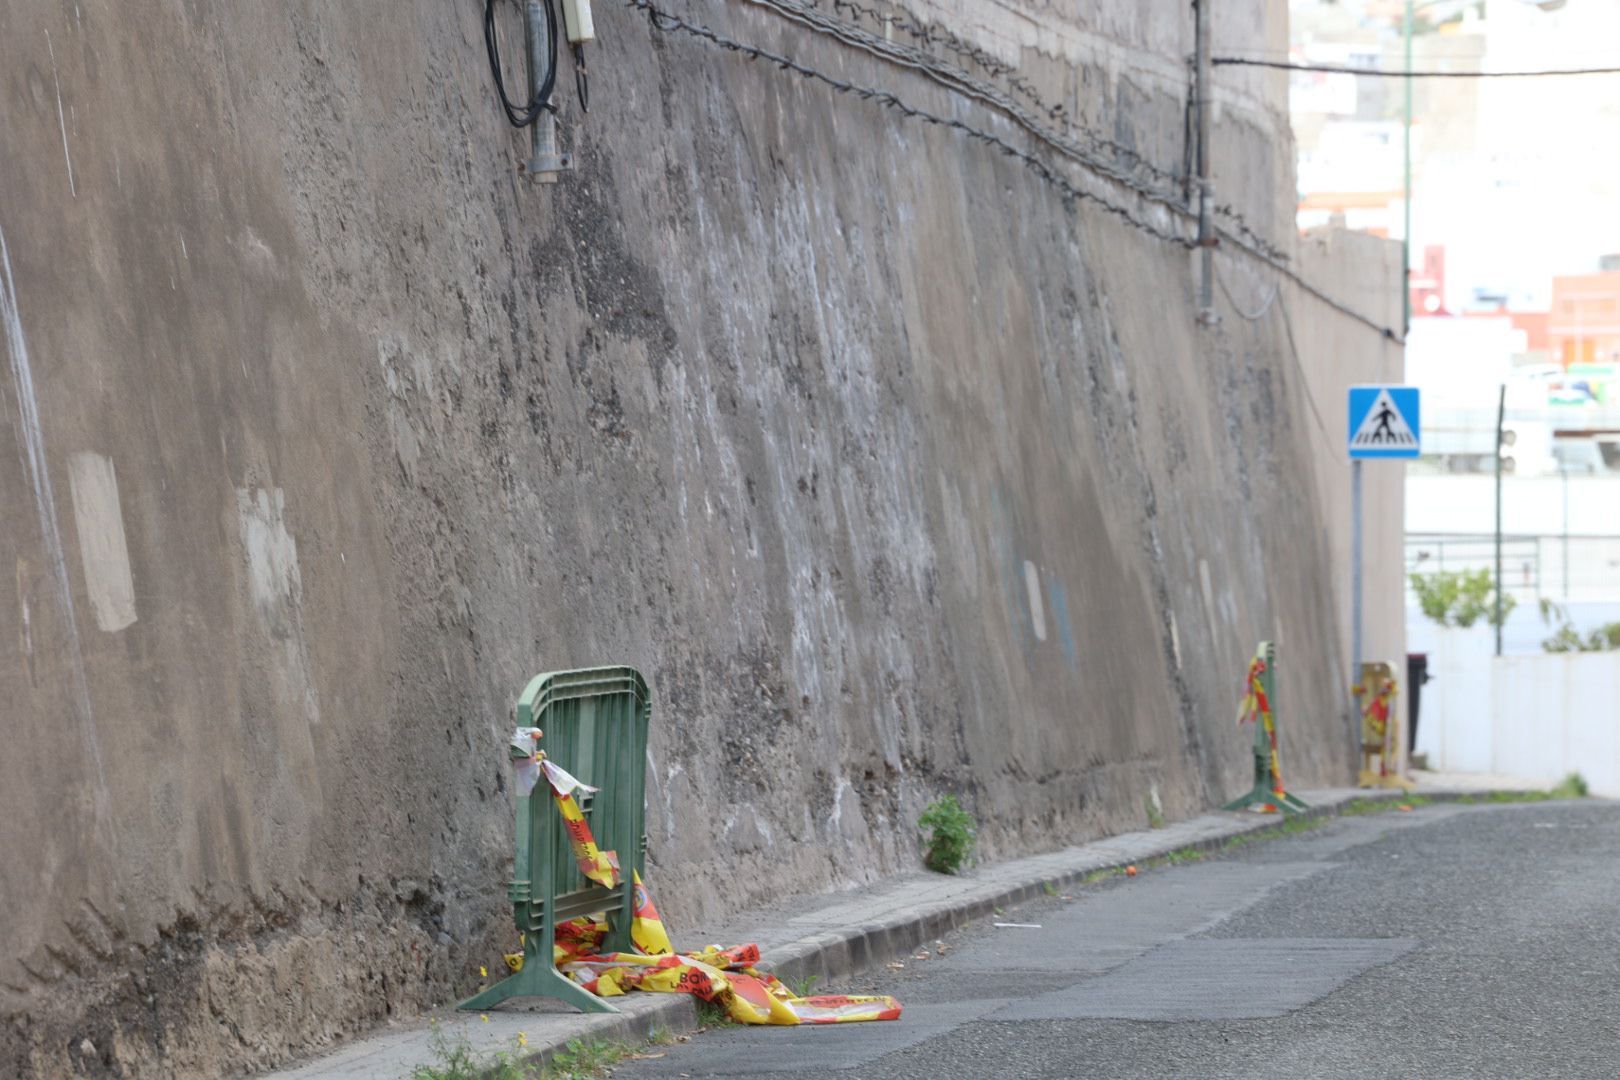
{"x":484,"y":1017}
{"x":523,"y":1039}
{"x":483,"y":972}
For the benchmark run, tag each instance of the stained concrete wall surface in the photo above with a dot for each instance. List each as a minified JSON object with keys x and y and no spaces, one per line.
{"x":896,"y":474}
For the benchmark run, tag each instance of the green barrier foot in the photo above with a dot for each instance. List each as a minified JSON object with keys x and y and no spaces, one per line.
{"x":538,"y":980}
{"x":1264,"y":796}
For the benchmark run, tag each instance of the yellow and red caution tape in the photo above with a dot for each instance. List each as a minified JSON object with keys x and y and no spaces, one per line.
{"x":1256,"y":707}
{"x":730,"y":978}
{"x":1375,"y":710}
{"x":1379,"y":725}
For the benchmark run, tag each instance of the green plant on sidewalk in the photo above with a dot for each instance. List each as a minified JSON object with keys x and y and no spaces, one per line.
{"x":1572,"y":786}
{"x":578,"y":1059}
{"x":804,"y":986}
{"x":951,"y":840}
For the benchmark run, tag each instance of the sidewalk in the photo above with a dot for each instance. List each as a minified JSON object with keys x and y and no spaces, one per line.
{"x":831,"y":936}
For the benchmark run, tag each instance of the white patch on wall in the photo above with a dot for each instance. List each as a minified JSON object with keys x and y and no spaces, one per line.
{"x":1210,"y":613}
{"x":1037,"y":613}
{"x":272,"y":553}
{"x":277,"y":589}
{"x":103,"y":550}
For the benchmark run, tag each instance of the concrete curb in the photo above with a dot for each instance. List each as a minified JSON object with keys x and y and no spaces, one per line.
{"x":834,"y":955}
{"x":851,"y":935}
{"x":638,"y":1018}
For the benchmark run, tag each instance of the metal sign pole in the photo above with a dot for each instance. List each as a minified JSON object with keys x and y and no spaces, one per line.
{"x":1355,"y":569}
{"x":1382,"y":421}
{"x":1501,"y":411}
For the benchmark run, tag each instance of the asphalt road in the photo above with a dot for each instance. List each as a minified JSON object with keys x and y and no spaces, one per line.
{"x":1446,"y":942}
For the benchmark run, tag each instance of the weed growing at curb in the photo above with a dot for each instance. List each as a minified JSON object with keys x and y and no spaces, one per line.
{"x":456,"y":1060}
{"x":1572,"y":786}
{"x":577,"y":1060}
{"x":804,"y":986}
{"x":1288,"y":826}
{"x":951,"y":842}
{"x":584,"y":1057}
{"x":711,"y":1015}
{"x":1357,"y":807}
{"x":1154,"y":815}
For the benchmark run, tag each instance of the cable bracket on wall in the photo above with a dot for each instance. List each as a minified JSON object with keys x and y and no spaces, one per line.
{"x":538,"y":113}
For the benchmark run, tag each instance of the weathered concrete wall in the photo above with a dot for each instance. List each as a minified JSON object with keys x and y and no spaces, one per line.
{"x":894,"y":474}
{"x":1335,"y":354}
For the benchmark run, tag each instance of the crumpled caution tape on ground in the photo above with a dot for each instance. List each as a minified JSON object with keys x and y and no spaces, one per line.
{"x":727,"y":977}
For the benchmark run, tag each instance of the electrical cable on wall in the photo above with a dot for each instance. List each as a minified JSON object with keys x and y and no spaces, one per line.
{"x":529,"y":112}
{"x":1159,"y":187}
{"x":664,"y":21}
{"x":1249,"y":244}
{"x":1124,"y":155}
{"x":582,"y":85}
{"x":581,"y":28}
{"x":1259,"y":312}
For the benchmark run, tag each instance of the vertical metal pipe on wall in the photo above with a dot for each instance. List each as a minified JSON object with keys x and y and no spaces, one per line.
{"x":544,"y":161}
{"x":1206,"y":225}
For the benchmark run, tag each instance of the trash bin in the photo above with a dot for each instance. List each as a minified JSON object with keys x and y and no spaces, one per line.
{"x":1417,"y":673}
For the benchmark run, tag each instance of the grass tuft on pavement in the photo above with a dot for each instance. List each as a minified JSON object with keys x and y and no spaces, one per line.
{"x":1572,"y":786}
{"x":577,"y":1060}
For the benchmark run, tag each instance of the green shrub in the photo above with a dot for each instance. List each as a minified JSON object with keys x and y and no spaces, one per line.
{"x":1572,"y":786}
{"x":1605,"y":638}
{"x":1460,"y":597}
{"x":952,"y":836}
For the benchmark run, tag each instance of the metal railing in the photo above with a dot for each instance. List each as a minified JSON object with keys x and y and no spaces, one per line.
{"x":1534,"y":565}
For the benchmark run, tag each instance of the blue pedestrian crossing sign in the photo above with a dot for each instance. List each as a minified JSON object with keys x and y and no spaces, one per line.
{"x":1385,"y":422}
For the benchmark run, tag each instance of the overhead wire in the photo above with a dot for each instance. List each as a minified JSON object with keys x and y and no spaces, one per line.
{"x":930,"y":34}
{"x":961,"y":82}
{"x":1126,"y":155}
{"x":1384,"y":73}
{"x":1260,"y":312}
{"x":1299,"y":366}
{"x":1240,"y":236}
{"x":582,"y":85}
{"x":665,"y":21}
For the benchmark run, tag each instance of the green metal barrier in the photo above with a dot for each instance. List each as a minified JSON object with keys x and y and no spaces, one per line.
{"x":1268,"y":788}
{"x":595,"y":722}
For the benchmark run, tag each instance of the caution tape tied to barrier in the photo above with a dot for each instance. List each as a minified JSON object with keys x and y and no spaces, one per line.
{"x":1256,"y":708}
{"x":730,"y":978}
{"x":1376,"y":709}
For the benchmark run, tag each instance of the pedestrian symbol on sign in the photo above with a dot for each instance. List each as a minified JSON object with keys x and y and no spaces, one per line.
{"x":1384,"y":422}
{"x":1384,"y":426}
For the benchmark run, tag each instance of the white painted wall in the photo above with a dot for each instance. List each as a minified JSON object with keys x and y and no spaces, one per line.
{"x":1557,"y":714}
{"x":1454,"y":728}
{"x":1536,"y":717}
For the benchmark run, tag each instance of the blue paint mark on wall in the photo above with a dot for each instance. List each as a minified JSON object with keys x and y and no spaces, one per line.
{"x":1014,"y":595}
{"x":1058,"y":601}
